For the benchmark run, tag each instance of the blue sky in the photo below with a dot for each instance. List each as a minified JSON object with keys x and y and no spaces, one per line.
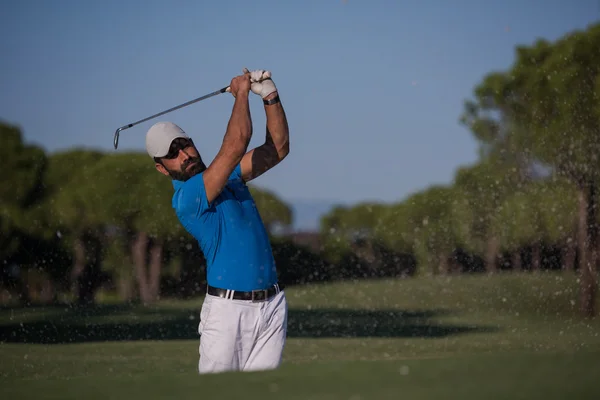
{"x":373,"y":90}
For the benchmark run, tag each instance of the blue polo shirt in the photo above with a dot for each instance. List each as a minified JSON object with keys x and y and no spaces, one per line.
{"x":229,"y":231}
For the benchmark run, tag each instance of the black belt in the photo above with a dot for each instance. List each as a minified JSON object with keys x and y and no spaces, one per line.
{"x":254,"y":295}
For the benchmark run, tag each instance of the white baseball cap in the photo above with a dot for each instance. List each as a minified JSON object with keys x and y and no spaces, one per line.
{"x":160,"y":136}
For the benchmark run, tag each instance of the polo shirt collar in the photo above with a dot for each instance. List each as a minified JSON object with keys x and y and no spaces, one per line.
{"x":177,"y":184}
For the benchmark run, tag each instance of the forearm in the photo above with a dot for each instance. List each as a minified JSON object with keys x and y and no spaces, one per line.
{"x":239,"y":129}
{"x":277,"y":127}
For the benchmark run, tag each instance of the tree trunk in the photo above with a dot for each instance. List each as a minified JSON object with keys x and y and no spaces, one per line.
{"x":23,"y":290}
{"x":78,"y":264}
{"x":90,"y":278}
{"x":444,"y":264}
{"x":491,"y":255}
{"x":124,"y":288}
{"x":588,"y":244}
{"x":139,"y":252}
{"x":192,"y":275}
{"x":517,"y":263}
{"x":48,"y":292}
{"x":569,"y":254}
{"x":536,"y":256}
{"x":156,"y":253}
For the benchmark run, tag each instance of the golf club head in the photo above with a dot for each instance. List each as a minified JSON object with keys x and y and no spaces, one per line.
{"x":116,"y":139}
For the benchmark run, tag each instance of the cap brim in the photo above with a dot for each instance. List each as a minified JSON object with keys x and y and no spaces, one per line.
{"x":164,"y":150}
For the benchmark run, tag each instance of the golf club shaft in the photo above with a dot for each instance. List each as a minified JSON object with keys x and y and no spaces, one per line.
{"x":118,"y":131}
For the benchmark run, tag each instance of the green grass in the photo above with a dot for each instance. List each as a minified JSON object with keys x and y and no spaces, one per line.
{"x":476,"y":337}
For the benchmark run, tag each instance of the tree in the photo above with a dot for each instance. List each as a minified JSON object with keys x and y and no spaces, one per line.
{"x":431,"y":216}
{"x":552,"y":95}
{"x":479,"y":192}
{"x":559,"y":216}
{"x":275,"y":213}
{"x":61,"y":218}
{"x":396,"y":229}
{"x":20,"y":188}
{"x":333,"y":231}
{"x":561,"y":83}
{"x":129,"y":198}
{"x":356,"y":239}
{"x":74,"y":219}
{"x":518,"y":223}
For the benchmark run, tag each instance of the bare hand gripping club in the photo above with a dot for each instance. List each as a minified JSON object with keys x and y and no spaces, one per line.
{"x":118,"y":131}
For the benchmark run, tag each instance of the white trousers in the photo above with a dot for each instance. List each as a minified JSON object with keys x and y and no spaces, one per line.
{"x":240,"y":335}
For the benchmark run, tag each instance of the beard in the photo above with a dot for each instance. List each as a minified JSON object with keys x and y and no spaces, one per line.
{"x":183,"y":174}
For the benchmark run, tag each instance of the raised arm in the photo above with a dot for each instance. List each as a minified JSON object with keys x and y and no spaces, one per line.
{"x":235,"y":142}
{"x":277,"y":146}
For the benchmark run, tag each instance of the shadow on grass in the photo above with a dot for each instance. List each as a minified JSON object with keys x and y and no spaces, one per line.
{"x":335,"y":323}
{"x":123,"y":323}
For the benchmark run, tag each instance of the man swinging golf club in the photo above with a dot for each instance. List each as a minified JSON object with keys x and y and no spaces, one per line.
{"x":243,"y":320}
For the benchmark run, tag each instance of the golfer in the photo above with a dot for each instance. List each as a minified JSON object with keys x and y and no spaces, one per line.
{"x":243,"y":320}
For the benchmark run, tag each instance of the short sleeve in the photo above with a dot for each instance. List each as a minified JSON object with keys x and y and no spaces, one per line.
{"x":193,"y":196}
{"x":236,"y":174}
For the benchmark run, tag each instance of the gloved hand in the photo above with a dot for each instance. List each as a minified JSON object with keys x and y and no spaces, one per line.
{"x":261,"y":83}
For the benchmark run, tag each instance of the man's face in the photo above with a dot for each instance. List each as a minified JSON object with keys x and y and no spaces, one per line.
{"x":182,"y":162}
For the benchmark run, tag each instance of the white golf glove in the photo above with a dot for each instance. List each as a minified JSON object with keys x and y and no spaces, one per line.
{"x":262,"y":84}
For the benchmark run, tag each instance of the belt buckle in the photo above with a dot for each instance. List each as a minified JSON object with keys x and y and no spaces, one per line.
{"x":263,"y":291}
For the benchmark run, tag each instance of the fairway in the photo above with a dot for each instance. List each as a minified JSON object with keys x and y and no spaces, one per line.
{"x":513,"y":336}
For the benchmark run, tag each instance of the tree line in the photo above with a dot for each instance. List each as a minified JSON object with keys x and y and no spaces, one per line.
{"x":81,"y":220}
{"x":85,"y":217}
{"x":530,"y":202}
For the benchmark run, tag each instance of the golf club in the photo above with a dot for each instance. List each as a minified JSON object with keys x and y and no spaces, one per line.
{"x":118,"y":131}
